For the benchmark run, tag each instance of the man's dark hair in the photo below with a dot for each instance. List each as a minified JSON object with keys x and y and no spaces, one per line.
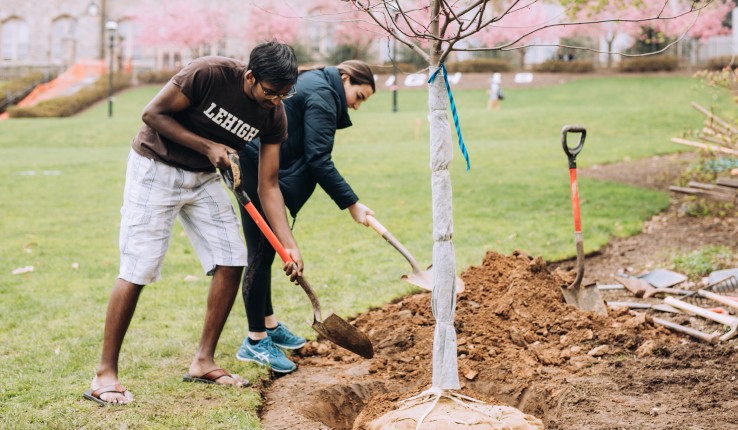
{"x":274,"y":63}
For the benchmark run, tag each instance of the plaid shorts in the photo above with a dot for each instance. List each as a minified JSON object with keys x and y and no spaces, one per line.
{"x":155,"y":193}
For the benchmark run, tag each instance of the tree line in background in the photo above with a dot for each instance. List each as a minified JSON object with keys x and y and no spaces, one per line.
{"x":496,"y":34}
{"x":347,"y":33}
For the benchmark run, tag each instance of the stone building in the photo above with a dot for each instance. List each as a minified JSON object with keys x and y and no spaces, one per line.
{"x":55,"y":33}
{"x":59,"y":33}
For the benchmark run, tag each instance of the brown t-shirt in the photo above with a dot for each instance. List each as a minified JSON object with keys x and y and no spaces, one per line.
{"x":219,"y":111}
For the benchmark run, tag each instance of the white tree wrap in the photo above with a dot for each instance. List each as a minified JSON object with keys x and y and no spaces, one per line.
{"x":445,"y":365}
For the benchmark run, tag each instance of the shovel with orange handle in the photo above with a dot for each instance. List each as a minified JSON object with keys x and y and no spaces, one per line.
{"x":333,"y":327}
{"x":582,"y":297}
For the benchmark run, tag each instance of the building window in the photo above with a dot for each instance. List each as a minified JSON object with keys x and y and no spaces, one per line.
{"x":64,"y":40}
{"x":14,"y":38}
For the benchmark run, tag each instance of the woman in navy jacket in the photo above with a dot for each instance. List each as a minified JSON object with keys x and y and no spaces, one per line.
{"x":318,"y":108}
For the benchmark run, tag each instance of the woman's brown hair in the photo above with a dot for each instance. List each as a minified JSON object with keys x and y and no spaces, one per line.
{"x":359,"y":72}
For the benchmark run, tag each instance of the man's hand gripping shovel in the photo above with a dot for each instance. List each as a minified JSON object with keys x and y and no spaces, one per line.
{"x":333,"y":327}
{"x":588,"y":297}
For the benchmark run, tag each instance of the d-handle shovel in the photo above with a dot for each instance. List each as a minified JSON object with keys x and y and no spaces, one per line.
{"x":588,"y":297}
{"x":333,"y":328}
{"x":419,"y":278}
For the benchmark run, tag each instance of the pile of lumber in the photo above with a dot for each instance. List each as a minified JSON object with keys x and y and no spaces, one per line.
{"x":717,"y":135}
{"x":724,"y":190}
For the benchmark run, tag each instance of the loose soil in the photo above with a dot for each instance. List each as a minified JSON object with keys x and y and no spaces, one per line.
{"x":520,"y":345}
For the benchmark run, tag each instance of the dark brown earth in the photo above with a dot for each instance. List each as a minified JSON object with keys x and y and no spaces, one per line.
{"x":520,"y":345}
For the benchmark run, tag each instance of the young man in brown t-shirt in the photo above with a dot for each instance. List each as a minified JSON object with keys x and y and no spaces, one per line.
{"x":209,"y":110}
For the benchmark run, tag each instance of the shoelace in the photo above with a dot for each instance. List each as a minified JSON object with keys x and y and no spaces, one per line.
{"x":271,"y":347}
{"x":284,"y":333}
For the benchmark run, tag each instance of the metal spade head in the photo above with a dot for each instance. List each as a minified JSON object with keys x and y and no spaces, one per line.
{"x":343,"y":334}
{"x":424,"y":279}
{"x":335,"y":329}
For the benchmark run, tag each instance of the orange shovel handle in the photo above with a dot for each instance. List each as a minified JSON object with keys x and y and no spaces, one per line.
{"x":575,"y":200}
{"x":267,"y":232}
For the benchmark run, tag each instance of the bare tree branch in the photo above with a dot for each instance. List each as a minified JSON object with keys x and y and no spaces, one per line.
{"x":389,"y":14}
{"x":510,"y":45}
{"x":399,"y":36}
{"x":584,"y":48}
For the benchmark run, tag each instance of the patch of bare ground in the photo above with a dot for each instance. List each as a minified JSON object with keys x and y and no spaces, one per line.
{"x":520,"y":345}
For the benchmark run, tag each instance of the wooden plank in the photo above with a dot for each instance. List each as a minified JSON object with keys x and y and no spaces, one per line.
{"x":717,"y":141}
{"x":719,"y":138}
{"x":684,"y":190}
{"x":716,"y":148}
{"x":715,"y":118}
{"x":726,"y":188}
{"x":713,"y":187}
{"x":718,"y":129}
{"x":728,"y":182}
{"x":714,"y":195}
{"x":712,"y":131}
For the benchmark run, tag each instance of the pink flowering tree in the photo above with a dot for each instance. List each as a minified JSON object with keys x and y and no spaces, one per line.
{"x":604,"y":22}
{"x":711,"y":23}
{"x":273,"y":19}
{"x":352,"y":32}
{"x":677,"y":19}
{"x":517,"y":22}
{"x":189,"y":24}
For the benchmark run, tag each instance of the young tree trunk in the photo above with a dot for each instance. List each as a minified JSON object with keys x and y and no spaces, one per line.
{"x":445,"y":365}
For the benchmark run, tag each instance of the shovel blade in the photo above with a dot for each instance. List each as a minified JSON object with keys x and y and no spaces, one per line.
{"x":424,"y":280}
{"x":585,"y":298}
{"x":343,"y":334}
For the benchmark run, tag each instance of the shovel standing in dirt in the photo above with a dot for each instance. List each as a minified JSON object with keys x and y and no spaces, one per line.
{"x":586,"y":297}
{"x":333,"y":327}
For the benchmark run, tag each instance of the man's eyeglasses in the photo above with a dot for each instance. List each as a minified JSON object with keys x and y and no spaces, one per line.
{"x":271,"y":94}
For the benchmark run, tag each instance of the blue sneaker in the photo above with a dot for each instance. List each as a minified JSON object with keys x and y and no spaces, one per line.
{"x":266,"y":354}
{"x":284,"y":338}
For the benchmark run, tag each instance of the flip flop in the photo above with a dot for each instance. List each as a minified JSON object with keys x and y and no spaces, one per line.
{"x":94,"y":395}
{"x":212,"y":378}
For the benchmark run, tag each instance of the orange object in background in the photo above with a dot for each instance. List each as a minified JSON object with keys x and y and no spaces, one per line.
{"x":80,"y":74}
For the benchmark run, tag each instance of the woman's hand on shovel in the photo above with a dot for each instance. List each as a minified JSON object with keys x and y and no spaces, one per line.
{"x":293,"y":268}
{"x":359,"y":212}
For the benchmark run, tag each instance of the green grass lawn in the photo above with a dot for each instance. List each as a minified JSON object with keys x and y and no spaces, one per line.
{"x":62,"y":182}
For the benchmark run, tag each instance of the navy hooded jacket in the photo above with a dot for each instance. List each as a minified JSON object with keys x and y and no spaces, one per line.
{"x":313,"y":115}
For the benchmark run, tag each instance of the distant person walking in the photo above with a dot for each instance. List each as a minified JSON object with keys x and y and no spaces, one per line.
{"x":495,"y":92}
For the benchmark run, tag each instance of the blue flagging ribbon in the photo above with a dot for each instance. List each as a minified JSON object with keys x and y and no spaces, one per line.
{"x":462,"y":147}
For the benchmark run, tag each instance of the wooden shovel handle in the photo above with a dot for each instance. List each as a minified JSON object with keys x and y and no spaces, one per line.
{"x":726,"y":320}
{"x":727,"y":301}
{"x":704,"y":313}
{"x":382,"y":230}
{"x":709,"y":338}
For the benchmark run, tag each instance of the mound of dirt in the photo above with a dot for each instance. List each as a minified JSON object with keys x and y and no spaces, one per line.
{"x":518,"y":344}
